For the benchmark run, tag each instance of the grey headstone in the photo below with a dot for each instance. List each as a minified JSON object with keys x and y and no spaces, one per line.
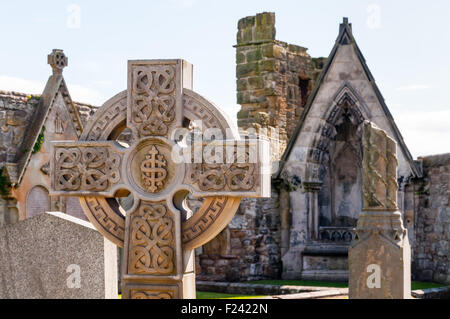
{"x":41,"y":257}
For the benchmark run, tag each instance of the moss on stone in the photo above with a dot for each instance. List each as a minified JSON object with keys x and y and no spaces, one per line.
{"x":5,"y":185}
{"x":242,"y":114}
{"x":241,"y":85}
{"x":243,"y":97}
{"x":255,"y":82}
{"x":37,"y":146}
{"x":254,"y":55}
{"x":240,"y":57}
{"x":267,"y":65}
{"x":264,"y":33}
{"x":247,"y":69}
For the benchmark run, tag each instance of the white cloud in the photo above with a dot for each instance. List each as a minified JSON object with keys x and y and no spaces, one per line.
{"x":8,"y":83}
{"x":413,"y":87}
{"x":425,"y":132}
{"x":78,"y":93}
{"x":85,"y":95}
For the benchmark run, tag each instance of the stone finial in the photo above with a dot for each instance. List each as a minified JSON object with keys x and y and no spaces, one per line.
{"x":58,"y":61}
{"x":345,"y":24}
{"x":379,"y":170}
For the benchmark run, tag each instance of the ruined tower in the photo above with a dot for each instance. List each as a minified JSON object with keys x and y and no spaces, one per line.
{"x":274,"y":78}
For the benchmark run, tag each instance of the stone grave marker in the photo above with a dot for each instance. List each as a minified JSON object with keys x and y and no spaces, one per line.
{"x":56,"y":256}
{"x":159,"y":169}
{"x":380,"y":255}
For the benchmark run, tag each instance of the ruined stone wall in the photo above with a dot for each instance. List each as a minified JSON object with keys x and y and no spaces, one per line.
{"x":274,"y":78}
{"x":274,"y":81}
{"x":249,"y":248}
{"x":432,"y":224}
{"x":17,"y":112}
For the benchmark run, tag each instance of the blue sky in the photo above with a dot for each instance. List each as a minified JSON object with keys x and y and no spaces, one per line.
{"x":406,"y":45}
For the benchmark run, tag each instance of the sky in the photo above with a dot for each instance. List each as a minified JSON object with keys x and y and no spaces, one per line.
{"x":406,"y":45}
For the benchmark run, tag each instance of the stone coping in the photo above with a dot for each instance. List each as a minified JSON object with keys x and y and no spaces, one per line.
{"x":432,"y":293}
{"x":302,"y":292}
{"x":435,"y":160}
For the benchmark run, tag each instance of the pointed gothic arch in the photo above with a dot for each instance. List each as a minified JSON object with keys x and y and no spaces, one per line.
{"x":333,"y":173}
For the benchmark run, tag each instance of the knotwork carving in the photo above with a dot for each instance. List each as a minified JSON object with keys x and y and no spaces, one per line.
{"x":215,"y":177}
{"x":105,"y":214}
{"x":148,"y":294}
{"x":153,"y":170}
{"x":380,"y":169}
{"x":85,"y":168}
{"x":154,"y":255}
{"x":234,"y":174}
{"x":152,"y":243}
{"x":153,"y":105}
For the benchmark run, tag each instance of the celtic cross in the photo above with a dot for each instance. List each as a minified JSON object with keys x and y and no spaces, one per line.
{"x":159,"y":168}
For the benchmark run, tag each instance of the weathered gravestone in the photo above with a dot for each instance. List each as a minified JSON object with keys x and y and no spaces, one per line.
{"x":380,"y":255}
{"x":56,"y":256}
{"x":159,"y":169}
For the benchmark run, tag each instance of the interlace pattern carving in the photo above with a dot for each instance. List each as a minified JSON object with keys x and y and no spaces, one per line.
{"x":86,"y":168}
{"x":380,"y":169}
{"x":148,"y":294}
{"x":152,"y":240}
{"x":216,"y":177}
{"x":153,"y":105}
{"x":153,"y":170}
{"x":236,"y":174}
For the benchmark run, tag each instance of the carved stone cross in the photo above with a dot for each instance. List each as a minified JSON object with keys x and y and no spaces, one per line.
{"x":380,"y":255}
{"x":159,"y":169}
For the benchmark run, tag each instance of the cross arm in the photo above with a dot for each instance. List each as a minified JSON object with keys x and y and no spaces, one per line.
{"x":238,"y":168}
{"x":87,"y":169}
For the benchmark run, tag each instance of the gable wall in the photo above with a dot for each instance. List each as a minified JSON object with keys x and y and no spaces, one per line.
{"x":345,"y":68}
{"x":58,"y":120}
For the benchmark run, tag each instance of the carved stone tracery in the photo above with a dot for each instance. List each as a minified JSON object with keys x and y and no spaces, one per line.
{"x":151,"y":236}
{"x":153,"y":94}
{"x":85,"y":168}
{"x":149,"y":294}
{"x":380,"y":170}
{"x":152,"y":240}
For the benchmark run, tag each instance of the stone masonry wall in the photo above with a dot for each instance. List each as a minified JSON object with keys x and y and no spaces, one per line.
{"x":16,"y":115}
{"x":432,"y":225}
{"x":274,"y":80}
{"x":248,"y":249}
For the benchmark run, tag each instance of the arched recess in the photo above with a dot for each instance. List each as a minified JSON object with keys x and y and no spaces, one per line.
{"x":333,"y":176}
{"x":38,"y":201}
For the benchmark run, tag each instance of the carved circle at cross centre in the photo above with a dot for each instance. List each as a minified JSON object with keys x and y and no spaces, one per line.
{"x":105,"y":213}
